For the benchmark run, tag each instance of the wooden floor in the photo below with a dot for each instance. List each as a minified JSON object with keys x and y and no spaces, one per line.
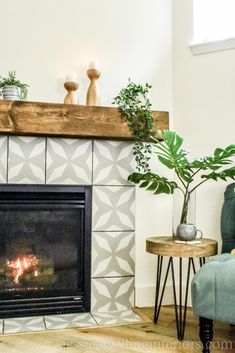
{"x":144,"y":337}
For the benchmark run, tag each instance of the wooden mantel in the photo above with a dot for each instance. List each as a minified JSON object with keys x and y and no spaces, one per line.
{"x":49,"y":119}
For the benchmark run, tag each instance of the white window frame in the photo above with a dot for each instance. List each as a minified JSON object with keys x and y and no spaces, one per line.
{"x":211,"y":46}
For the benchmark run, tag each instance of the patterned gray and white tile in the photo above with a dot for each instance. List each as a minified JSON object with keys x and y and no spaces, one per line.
{"x":54,"y":322}
{"x":1,"y":327}
{"x":69,"y":161}
{"x":112,"y":294}
{"x":113,"y":162}
{"x":24,"y":324}
{"x":3,"y":159}
{"x":26,"y":160}
{"x":116,"y":317}
{"x":113,"y":208}
{"x":112,"y":254}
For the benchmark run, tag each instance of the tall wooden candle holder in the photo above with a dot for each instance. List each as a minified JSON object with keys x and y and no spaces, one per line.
{"x":93,"y":94}
{"x":71,"y":97}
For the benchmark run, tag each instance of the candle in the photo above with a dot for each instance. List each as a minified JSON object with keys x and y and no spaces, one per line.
{"x":72,"y":77}
{"x":94,"y":64}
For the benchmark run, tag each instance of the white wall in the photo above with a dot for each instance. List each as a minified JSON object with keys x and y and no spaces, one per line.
{"x":44,"y":40}
{"x":204,"y":107}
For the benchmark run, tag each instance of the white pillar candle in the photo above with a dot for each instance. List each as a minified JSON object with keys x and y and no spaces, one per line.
{"x":72,"y":77}
{"x":94,"y":64}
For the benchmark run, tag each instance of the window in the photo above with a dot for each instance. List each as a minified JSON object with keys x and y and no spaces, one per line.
{"x":214,"y":26}
{"x":214,"y":20}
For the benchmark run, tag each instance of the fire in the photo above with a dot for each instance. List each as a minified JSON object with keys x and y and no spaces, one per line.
{"x":21,"y":265}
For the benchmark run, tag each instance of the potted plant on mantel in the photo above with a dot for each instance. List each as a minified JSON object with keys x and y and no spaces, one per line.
{"x":168,"y":147}
{"x":11,"y":88}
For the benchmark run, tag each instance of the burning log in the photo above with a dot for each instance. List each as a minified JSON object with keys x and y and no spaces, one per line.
{"x":28,"y":271}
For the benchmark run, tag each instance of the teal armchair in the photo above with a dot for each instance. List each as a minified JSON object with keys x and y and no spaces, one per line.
{"x":213,"y":286}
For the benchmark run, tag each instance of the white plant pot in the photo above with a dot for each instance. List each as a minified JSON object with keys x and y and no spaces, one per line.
{"x":11,"y":92}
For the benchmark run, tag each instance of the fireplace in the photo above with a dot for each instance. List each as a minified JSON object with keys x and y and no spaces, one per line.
{"x":45,"y":249}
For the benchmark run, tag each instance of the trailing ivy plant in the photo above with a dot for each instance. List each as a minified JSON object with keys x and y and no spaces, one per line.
{"x":170,"y":153}
{"x":135,"y":107}
{"x":11,"y":80}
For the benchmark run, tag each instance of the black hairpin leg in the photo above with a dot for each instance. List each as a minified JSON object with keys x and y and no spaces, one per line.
{"x":180,"y":311}
{"x":193,"y":264}
{"x":159,"y":297}
{"x":202,"y":261}
{"x":181,"y":306}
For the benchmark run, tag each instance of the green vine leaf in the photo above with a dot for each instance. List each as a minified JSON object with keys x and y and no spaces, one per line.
{"x":135,"y":107}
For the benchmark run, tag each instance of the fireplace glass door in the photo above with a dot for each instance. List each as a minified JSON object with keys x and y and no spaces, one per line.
{"x":44,"y":249}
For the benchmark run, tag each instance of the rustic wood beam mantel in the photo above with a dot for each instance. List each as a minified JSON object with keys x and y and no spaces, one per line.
{"x":49,"y":119}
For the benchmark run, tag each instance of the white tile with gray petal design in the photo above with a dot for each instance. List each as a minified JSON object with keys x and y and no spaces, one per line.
{"x":3,"y":159}
{"x":116,"y":317}
{"x":113,"y":254}
{"x":112,"y":294}
{"x":113,"y":208}
{"x":54,"y":322}
{"x":26,"y":160}
{"x":69,"y":161}
{"x":113,"y":162}
{"x":24,"y":324}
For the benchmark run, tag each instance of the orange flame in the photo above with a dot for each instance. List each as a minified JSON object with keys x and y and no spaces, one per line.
{"x":21,"y":264}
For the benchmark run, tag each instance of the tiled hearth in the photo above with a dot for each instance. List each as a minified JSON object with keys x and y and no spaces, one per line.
{"x":105,"y":165}
{"x":59,"y":322}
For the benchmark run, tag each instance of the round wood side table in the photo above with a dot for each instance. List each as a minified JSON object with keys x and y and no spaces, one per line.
{"x":166,"y":246}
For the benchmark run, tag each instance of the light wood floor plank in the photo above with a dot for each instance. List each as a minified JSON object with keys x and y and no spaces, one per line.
{"x":144,"y":337}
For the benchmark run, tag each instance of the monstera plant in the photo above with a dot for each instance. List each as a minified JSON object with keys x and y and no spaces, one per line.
{"x":190,"y":174}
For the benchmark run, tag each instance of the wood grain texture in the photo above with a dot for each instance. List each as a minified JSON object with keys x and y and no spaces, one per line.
{"x":48,"y":119}
{"x":129,"y":338}
{"x":165,"y":246}
{"x":93,"y":93}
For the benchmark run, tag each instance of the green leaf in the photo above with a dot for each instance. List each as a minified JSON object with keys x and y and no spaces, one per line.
{"x":170,"y":153}
{"x":223,"y":175}
{"x":135,"y":107}
{"x":166,"y":162}
{"x":153,"y":182}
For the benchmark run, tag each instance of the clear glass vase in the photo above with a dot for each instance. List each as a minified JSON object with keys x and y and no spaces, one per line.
{"x":184,"y":209}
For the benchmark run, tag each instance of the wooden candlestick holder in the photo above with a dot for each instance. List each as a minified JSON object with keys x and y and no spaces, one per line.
{"x":93,"y":94}
{"x":71,"y":97}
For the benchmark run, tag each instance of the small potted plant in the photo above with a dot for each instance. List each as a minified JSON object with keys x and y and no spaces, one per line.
{"x":11,"y":88}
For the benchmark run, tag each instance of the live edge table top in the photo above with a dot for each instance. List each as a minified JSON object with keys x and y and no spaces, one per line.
{"x":166,"y":246}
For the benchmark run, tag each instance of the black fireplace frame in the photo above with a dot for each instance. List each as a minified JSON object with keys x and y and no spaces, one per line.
{"x":20,"y":305}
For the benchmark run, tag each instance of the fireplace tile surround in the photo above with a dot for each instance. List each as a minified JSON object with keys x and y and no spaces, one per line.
{"x":105,"y":165}
{"x":60,"y":322}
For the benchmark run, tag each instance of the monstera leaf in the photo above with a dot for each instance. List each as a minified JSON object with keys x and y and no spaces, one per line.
{"x":220,"y":158}
{"x":223,"y":175}
{"x":171,"y":154}
{"x":153,"y":182}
